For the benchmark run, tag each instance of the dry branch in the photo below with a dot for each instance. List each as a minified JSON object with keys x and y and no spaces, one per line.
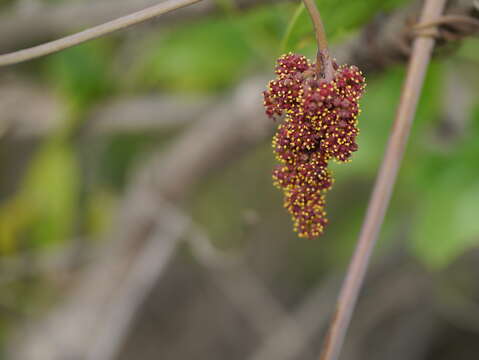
{"x":242,"y":287}
{"x":25,"y":27}
{"x":285,"y":343}
{"x":418,"y":64}
{"x":40,"y":117}
{"x":145,"y":270}
{"x":45,"y":112}
{"x":94,"y":32}
{"x":142,"y":114}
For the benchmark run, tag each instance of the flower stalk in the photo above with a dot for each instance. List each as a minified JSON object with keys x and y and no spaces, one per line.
{"x":324,"y":63}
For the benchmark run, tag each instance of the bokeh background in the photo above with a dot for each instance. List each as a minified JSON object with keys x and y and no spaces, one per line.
{"x":137,"y":215}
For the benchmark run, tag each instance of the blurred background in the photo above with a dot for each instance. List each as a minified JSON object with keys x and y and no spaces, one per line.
{"x":137,"y":215}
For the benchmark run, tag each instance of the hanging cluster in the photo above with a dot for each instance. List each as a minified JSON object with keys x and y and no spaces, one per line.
{"x":320,"y":124}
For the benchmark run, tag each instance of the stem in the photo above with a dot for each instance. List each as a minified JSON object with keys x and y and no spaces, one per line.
{"x":324,"y":64}
{"x":94,"y":32}
{"x":318,"y":24}
{"x":419,"y":61}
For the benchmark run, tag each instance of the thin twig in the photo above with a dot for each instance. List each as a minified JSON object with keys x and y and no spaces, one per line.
{"x":320,"y":33}
{"x":419,"y":61}
{"x":148,"y":266}
{"x":324,"y":63}
{"x":448,"y":19}
{"x":292,"y":337}
{"x":94,"y":32}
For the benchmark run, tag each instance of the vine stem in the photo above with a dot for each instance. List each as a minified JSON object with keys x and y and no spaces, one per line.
{"x":417,"y":68}
{"x":94,"y":32}
{"x":324,"y":63}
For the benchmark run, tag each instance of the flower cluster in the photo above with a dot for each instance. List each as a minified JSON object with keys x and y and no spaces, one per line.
{"x":320,"y":124}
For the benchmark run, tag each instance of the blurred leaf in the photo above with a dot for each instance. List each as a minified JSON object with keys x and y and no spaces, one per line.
{"x":212,"y":54}
{"x":466,"y":216}
{"x":446,"y":221}
{"x":229,"y":7}
{"x":14,"y":216}
{"x":50,"y":188}
{"x":122,"y":152}
{"x":82,"y":73}
{"x":206,"y":56}
{"x":291,"y":26}
{"x":100,"y":204}
{"x":469,"y":50}
{"x":43,"y":210}
{"x":261,"y":28}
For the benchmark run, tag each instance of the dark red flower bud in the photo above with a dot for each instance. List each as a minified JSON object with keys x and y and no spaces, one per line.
{"x":320,"y":124}
{"x":291,"y":64}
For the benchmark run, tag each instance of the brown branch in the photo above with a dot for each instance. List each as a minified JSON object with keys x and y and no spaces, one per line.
{"x":146,"y":269}
{"x":47,"y":21}
{"x":320,"y":33}
{"x":151,"y":112}
{"x":41,"y":116}
{"x":293,"y":336}
{"x":45,"y":111}
{"x":324,"y":63}
{"x":242,"y":286}
{"x":421,"y":55}
{"x":94,"y":32}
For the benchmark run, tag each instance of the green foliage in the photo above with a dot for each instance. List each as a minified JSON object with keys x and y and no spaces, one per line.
{"x":81,"y":73}
{"x":339,"y":18}
{"x":468,"y":51}
{"x":292,"y":26}
{"x":446,"y":223}
{"x":229,"y":7}
{"x":212,"y":54}
{"x":51,"y":187}
{"x":42,"y":212}
{"x":190,"y":59}
{"x":446,"y":217}
{"x":123,"y":152}
{"x":99,"y":209}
